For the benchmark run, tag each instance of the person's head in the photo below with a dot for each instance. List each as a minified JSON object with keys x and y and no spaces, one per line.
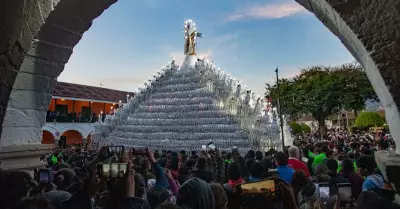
{"x":15,"y":186}
{"x":332,"y":165}
{"x":294,"y":152}
{"x":256,"y":170}
{"x":157,"y":196}
{"x":220,"y":197}
{"x":329,"y":154}
{"x":281,"y":159}
{"x":234,"y":171}
{"x":299,"y":180}
{"x":347,"y":165}
{"x":36,"y":202}
{"x":324,"y":149}
{"x":366,"y":165}
{"x":259,"y":155}
{"x":371,"y":200}
{"x":174,"y":163}
{"x":195,"y":194}
{"x":201,"y":163}
{"x":251,"y":154}
{"x":183,"y":152}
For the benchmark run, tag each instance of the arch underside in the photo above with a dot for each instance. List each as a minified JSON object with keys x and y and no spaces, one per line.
{"x":38,"y":37}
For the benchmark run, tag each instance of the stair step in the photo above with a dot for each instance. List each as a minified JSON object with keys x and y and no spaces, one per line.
{"x":178,"y":136}
{"x":183,"y":94}
{"x":221,"y":128}
{"x":195,"y":114}
{"x":177,"y":109}
{"x":183,"y":74}
{"x":179,"y":121}
{"x":182,"y":80}
{"x":180,"y":87}
{"x":178,"y":102}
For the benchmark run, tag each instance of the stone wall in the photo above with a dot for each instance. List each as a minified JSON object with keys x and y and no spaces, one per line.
{"x":39,"y":41}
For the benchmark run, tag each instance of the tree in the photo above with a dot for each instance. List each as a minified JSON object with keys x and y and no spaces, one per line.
{"x":322,"y":91}
{"x":305,"y":128}
{"x":295,"y":128}
{"x":369,"y":119}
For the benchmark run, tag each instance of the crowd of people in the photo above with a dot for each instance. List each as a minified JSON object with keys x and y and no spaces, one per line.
{"x":335,"y":171}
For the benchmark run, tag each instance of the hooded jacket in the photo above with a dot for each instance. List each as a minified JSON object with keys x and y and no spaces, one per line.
{"x":196,"y":194}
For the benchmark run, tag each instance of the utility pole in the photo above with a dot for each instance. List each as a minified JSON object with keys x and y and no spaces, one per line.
{"x":279,"y":108}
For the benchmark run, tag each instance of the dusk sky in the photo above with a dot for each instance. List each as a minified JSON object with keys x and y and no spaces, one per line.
{"x":131,"y":40}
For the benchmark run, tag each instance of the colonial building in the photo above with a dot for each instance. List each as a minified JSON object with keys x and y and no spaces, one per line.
{"x":75,"y":108}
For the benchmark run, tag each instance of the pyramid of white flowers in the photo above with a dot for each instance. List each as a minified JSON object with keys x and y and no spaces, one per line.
{"x":186,"y":107}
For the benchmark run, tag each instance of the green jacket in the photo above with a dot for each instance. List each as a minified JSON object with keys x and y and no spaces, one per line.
{"x":319,"y":159}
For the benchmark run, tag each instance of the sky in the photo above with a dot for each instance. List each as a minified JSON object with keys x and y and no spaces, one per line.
{"x":248,"y":39}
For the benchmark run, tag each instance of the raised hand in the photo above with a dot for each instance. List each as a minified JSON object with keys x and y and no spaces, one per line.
{"x":150,"y":156}
{"x":168,"y":173}
{"x":129,"y":178}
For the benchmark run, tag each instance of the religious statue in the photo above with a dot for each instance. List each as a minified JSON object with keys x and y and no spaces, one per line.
{"x":190,"y":37}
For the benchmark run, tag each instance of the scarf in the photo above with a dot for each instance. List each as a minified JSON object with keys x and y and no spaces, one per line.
{"x":233,"y":183}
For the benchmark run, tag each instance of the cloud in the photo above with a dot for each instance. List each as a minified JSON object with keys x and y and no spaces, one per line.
{"x":267,"y":11}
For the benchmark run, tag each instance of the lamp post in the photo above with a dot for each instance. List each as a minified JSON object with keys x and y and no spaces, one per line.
{"x":279,"y":108}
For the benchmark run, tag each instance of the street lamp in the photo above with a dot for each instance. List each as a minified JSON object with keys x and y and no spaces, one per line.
{"x":279,"y":108}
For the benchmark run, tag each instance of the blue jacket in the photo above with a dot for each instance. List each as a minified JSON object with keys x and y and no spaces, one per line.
{"x":285,"y":173}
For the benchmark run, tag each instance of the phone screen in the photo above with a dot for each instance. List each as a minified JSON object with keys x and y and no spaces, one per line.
{"x":114,"y":170}
{"x":324,"y":189}
{"x":106,"y":170}
{"x":211,"y":146}
{"x":304,"y":159}
{"x":258,"y":187}
{"x":122,"y":169}
{"x":118,"y":169}
{"x":344,"y":188}
{"x":44,"y":176}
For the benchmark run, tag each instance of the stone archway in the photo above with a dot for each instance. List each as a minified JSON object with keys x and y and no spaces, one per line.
{"x":38,"y":37}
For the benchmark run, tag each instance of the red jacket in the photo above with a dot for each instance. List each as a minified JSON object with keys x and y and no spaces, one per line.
{"x":298,"y":165}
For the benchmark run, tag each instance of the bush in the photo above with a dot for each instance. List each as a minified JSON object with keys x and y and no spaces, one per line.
{"x":386,"y":127}
{"x":369,"y":119}
{"x":295,"y":127}
{"x":305,"y":128}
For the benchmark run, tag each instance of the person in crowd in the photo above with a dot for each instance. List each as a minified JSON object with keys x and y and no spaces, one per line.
{"x":294,"y":162}
{"x":202,"y":170}
{"x":256,"y":172}
{"x":283,"y":170}
{"x":319,"y":159}
{"x":366,"y":166}
{"x":355,"y":179}
{"x":196,"y":194}
{"x":234,"y":176}
{"x":220,"y":197}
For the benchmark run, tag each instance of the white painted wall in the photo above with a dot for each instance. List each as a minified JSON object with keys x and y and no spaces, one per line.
{"x":57,"y":129}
